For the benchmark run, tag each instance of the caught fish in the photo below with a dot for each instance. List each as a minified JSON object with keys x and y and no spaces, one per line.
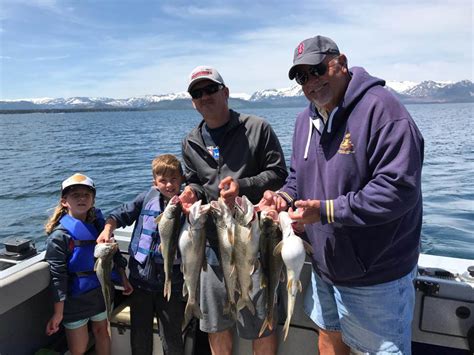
{"x":272,"y":264}
{"x":246,"y":244}
{"x":169,"y":224}
{"x":104,"y":252}
{"x":192,"y":245}
{"x":293,"y":252}
{"x":225,"y":225}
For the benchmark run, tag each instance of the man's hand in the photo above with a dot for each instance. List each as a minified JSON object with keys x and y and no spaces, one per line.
{"x":307,"y":211}
{"x":272,"y":201}
{"x":229,"y":190}
{"x":187,"y":198}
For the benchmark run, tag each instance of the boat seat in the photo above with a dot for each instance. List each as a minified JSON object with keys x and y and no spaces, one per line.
{"x":22,"y":285}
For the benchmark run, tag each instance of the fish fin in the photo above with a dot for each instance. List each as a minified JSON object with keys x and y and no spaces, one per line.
{"x":300,"y":288}
{"x":237,"y":288}
{"x":249,"y":236}
{"x":277,"y":249}
{"x":226,"y":309}
{"x":282,"y":277}
{"x":158,"y":218}
{"x":185,"y":290}
{"x":96,"y":264}
{"x":256,"y":265}
{"x":230,"y":237}
{"x":308,"y":247}
{"x":263,"y":282}
{"x":230,"y":310}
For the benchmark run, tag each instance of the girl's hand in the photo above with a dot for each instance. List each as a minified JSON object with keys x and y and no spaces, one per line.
{"x":53,"y":324}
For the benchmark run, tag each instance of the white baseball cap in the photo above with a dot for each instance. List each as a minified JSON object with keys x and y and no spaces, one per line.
{"x":204,"y":72}
{"x":77,"y":179}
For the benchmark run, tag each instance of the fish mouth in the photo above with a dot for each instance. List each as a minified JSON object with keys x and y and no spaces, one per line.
{"x":271,"y":214}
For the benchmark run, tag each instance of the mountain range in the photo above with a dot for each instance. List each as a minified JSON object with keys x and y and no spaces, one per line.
{"x":408,"y":92}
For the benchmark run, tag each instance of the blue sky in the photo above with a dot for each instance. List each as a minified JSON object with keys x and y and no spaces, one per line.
{"x":121,"y":49}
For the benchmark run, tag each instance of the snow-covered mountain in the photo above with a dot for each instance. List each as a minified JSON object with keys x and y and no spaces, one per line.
{"x":272,"y":94}
{"x":407,"y":91}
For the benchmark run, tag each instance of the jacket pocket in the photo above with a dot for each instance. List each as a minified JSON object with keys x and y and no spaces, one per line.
{"x":335,"y":254}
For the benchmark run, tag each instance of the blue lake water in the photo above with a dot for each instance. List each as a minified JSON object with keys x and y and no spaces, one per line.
{"x":38,"y":151}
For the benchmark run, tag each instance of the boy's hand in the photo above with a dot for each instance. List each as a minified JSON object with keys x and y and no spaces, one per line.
{"x":187,"y":198}
{"x":104,"y":237}
{"x":127,"y":286}
{"x":229,"y":190}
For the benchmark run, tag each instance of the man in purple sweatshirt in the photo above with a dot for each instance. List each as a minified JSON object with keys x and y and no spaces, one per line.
{"x":355,"y":184}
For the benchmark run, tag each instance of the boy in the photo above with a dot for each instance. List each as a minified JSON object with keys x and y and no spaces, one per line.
{"x":146,"y":262}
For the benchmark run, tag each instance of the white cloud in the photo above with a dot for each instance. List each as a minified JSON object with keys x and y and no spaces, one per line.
{"x":397,"y":40}
{"x":200,"y":11}
{"x":59,"y":57}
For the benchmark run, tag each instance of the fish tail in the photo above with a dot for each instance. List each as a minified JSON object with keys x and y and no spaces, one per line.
{"x":192,"y":309}
{"x":267,"y":323}
{"x":242,"y":303}
{"x":264,"y":327}
{"x":167,"y":289}
{"x":286,"y":327}
{"x":289,"y":314}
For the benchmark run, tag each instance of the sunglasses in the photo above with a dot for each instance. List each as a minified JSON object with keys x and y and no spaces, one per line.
{"x":315,"y":70}
{"x":209,"y":90}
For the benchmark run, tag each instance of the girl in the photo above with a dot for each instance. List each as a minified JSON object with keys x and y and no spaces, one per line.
{"x":72,"y":231}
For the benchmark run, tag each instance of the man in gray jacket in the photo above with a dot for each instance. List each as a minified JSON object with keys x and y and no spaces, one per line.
{"x":228,"y":154}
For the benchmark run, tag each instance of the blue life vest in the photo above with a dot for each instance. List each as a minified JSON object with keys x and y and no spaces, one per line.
{"x":146,"y":238}
{"x":82,"y":277}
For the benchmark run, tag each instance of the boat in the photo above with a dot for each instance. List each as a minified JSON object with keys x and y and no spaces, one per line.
{"x":443,"y":320}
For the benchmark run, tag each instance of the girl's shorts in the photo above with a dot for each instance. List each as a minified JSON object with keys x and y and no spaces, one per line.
{"x":77,"y":324}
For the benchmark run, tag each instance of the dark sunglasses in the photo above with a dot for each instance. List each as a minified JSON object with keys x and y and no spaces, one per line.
{"x":209,"y":90}
{"x":315,"y":70}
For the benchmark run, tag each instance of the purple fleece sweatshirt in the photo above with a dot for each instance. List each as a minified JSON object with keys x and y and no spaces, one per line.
{"x":365,"y":167}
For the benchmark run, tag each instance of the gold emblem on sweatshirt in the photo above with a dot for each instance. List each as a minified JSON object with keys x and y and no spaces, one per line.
{"x":346,"y":146}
